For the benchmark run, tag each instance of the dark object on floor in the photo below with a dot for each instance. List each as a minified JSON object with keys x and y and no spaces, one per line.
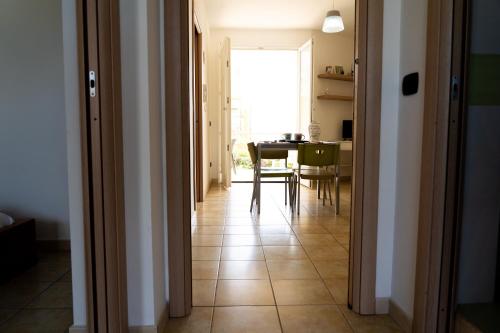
{"x":17,"y":247}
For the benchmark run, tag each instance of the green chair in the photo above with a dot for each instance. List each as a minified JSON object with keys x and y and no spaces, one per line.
{"x":271,"y":172}
{"x":325,"y":157}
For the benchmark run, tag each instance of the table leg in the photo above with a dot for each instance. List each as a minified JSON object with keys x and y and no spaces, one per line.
{"x":337,"y":191}
{"x":259,"y":154}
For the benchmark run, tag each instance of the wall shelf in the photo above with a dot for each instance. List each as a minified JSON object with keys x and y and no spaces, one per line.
{"x":328,"y":97}
{"x":337,"y":77}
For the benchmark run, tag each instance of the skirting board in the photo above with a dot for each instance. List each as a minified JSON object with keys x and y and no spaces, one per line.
{"x":54,"y":245}
{"x":400,"y":317}
{"x":159,"y":328}
{"x":78,"y":329}
{"x":162,"y":324}
{"x":382,"y":305}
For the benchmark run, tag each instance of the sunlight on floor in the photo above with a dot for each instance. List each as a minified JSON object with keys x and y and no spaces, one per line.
{"x":275,"y":272}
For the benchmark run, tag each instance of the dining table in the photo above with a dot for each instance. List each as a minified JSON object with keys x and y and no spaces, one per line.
{"x":293,"y":145}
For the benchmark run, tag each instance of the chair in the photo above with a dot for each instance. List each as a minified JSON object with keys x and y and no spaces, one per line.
{"x":233,"y":142}
{"x":270,"y":172}
{"x":322,"y":156}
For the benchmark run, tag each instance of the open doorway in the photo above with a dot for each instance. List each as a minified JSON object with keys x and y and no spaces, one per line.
{"x":36,"y":279}
{"x":225,"y":213}
{"x":457,"y":287}
{"x":265,"y":101}
{"x":229,"y":244}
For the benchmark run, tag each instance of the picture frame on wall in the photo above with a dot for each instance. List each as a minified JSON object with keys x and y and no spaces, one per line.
{"x":329,"y":69}
{"x":339,"y":70}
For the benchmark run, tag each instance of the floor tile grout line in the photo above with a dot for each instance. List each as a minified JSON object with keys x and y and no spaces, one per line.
{"x":289,"y":221}
{"x":272,"y":290}
{"x":25,"y":305}
{"x":346,"y":319}
{"x":319,"y":274}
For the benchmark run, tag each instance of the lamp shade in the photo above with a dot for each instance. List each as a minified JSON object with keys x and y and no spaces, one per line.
{"x":333,"y":22}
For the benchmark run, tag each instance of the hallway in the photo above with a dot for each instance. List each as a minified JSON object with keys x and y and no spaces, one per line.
{"x":273,"y":273}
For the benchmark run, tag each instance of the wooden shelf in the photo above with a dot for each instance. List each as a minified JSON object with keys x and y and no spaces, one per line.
{"x":337,"y":77}
{"x":335,"y":98}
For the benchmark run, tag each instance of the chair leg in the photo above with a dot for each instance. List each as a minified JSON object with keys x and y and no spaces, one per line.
{"x":253,"y":192}
{"x":298,"y":196}
{"x":330,"y":191}
{"x":324,"y":192}
{"x":337,"y":195}
{"x":286,"y":181}
{"x":318,"y":184}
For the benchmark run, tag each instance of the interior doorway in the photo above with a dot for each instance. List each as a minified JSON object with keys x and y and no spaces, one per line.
{"x":365,"y":152}
{"x":462,"y":285}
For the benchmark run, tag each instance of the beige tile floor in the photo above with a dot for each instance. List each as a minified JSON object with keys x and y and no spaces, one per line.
{"x":275,"y":272}
{"x":40,"y":299}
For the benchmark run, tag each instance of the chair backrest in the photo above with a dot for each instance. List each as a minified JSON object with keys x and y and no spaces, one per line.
{"x":318,"y":154}
{"x":252,"y":151}
{"x":266,"y":154}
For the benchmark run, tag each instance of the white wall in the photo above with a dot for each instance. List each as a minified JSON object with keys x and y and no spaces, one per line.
{"x":75,"y":190}
{"x":331,"y":50}
{"x":142,"y":132}
{"x":410,"y":128}
{"x":33,"y":167}
{"x":388,"y":146}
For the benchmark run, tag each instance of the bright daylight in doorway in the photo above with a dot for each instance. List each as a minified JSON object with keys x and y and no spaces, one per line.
{"x":265,"y":87}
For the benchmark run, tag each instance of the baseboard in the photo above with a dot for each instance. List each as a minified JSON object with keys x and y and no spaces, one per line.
{"x":162,"y":323}
{"x":158,"y":328}
{"x":382,"y":305}
{"x":77,"y":329}
{"x":54,"y":245}
{"x":143,"y":329}
{"x":400,"y":317}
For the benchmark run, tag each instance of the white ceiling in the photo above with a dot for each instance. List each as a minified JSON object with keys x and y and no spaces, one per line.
{"x":275,"y":14}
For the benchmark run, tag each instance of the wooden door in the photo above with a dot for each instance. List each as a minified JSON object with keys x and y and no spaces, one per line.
{"x":198,"y":110}
{"x":101,"y":122}
{"x":226,"y":137}
{"x":305,"y":86}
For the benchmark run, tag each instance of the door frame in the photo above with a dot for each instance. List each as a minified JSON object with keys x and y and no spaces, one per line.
{"x":366,"y":156}
{"x":178,"y":62}
{"x":198,"y":108}
{"x":447,"y":40}
{"x":366,"y":148}
{"x":98,"y":34}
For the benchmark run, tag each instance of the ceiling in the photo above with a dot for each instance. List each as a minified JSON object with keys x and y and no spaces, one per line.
{"x":276,"y":14}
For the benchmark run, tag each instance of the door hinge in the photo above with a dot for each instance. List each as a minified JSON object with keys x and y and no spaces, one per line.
{"x":455,"y":87}
{"x":227,"y":63}
{"x":210,"y":164}
{"x":356,"y":61}
{"x":92,"y":83}
{"x":227,"y":100}
{"x":227,"y":147}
